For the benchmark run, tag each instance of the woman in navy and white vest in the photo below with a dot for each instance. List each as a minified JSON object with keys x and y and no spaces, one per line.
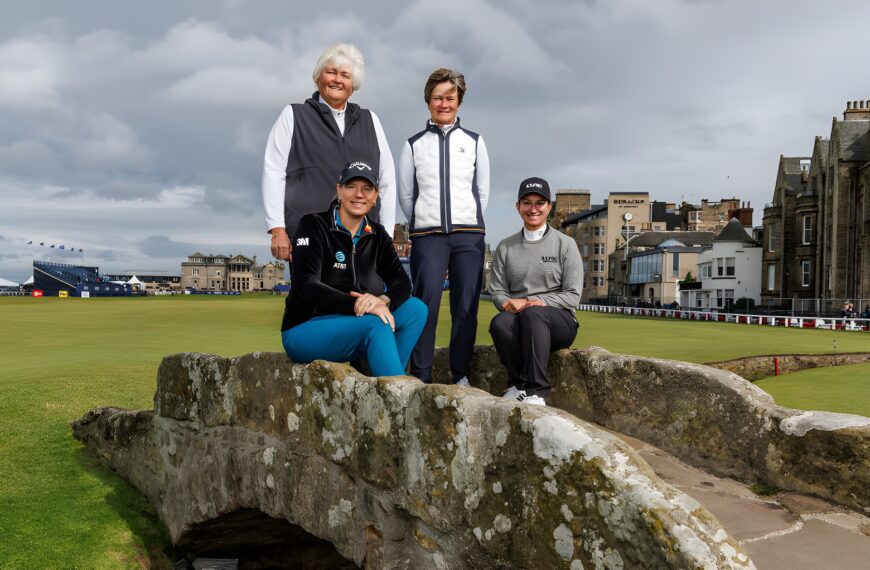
{"x":443,"y":184}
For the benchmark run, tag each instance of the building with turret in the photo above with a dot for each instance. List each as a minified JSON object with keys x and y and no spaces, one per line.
{"x":816,"y":230}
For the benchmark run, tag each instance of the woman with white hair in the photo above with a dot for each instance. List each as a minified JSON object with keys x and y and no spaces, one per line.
{"x":311,"y":142}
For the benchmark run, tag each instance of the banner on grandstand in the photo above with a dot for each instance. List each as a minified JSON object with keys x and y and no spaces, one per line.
{"x":63,"y":294}
{"x":37,"y":293}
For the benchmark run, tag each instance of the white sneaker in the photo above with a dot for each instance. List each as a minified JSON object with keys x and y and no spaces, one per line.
{"x":534,"y":400}
{"x":462,"y":382}
{"x":514,"y":393}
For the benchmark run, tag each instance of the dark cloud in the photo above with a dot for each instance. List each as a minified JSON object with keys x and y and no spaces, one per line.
{"x":139,"y":135}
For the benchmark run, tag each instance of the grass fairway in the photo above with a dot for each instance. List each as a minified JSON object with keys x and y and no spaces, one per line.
{"x":61,"y":357}
{"x":844,"y":389}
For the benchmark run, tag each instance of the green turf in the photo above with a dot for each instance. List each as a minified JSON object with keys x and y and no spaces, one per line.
{"x":844,"y":389}
{"x":61,"y":357}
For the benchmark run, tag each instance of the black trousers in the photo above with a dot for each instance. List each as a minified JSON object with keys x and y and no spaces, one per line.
{"x":432,"y":256}
{"x":525,"y":340}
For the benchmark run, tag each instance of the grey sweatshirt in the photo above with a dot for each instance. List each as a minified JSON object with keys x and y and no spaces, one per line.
{"x":549,"y":270}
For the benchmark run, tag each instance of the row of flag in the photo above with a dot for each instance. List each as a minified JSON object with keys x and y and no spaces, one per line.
{"x":61,"y":246}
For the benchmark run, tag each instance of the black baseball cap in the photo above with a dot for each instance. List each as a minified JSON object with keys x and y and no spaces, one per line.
{"x":534,"y":185}
{"x":358,"y":169}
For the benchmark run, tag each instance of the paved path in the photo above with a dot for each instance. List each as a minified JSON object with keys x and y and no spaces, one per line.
{"x":784,"y":532}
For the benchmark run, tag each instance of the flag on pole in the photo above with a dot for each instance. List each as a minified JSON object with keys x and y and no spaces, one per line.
{"x":52,"y":245}
{"x":42,"y":243}
{"x":61,"y":246}
{"x":30,"y":242}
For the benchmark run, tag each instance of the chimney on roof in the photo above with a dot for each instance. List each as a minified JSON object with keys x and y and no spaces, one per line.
{"x":857,"y":111}
{"x":743,"y":214}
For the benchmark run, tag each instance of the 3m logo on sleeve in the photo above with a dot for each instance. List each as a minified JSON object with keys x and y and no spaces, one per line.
{"x":301,"y":241}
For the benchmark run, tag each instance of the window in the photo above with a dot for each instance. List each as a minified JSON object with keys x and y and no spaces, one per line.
{"x":805,"y":272}
{"x":720,"y":267}
{"x":808,"y":230}
{"x":195,"y":271}
{"x":720,"y":298}
{"x":585,"y":250}
{"x":729,"y":299}
{"x":595,"y":231}
{"x":602,"y":231}
{"x":729,"y":266}
{"x":675,"y":270}
{"x":771,"y":277}
{"x":771,"y":237}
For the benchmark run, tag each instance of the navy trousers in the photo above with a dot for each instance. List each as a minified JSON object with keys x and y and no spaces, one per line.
{"x":432,"y":256}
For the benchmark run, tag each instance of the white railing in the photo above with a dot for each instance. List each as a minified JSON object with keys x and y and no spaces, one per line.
{"x":846,"y":324}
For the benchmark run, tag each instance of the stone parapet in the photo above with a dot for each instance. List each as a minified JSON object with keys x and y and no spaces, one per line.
{"x":393,"y":473}
{"x":758,"y":367}
{"x":707,"y":417}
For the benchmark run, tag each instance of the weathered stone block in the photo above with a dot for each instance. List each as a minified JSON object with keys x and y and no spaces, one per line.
{"x":397,"y":474}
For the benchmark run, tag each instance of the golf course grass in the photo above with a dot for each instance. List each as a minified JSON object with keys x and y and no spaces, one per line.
{"x":61,"y":357}
{"x":844,"y":389}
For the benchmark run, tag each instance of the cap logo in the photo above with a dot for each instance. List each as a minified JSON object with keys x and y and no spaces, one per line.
{"x":534,"y":185}
{"x":359,"y":166}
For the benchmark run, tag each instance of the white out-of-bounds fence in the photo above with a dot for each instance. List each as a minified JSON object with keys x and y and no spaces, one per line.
{"x":846,"y":324}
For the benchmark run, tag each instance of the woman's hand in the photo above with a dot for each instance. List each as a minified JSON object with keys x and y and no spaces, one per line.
{"x":514,"y":305}
{"x":384,"y":313}
{"x":281,"y":246}
{"x":365,"y":302}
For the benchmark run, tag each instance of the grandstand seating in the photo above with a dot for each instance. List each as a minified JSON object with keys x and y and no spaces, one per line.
{"x":52,"y":278}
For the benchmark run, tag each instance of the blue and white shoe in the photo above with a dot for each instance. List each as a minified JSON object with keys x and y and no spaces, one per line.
{"x":462,"y":382}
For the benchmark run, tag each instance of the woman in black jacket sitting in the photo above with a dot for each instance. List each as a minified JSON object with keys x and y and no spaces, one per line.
{"x":339,"y":308}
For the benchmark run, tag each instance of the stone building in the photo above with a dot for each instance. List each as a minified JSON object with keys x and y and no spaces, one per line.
{"x":714,"y":216}
{"x":401,"y":242}
{"x":569,"y":201}
{"x":601,"y":229}
{"x":788,"y":246}
{"x":224,"y":273}
{"x":817,"y":228}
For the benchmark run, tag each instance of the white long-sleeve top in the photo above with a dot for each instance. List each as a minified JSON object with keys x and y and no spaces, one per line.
{"x":275,"y":169}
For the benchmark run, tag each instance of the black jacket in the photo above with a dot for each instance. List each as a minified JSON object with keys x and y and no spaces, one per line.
{"x":326,"y":267}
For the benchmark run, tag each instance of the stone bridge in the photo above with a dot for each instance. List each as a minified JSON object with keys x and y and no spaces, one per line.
{"x":318,"y":466}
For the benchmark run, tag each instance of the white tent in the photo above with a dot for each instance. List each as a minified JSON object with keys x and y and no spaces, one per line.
{"x":7,"y":283}
{"x":29,"y":281}
{"x":134,"y":281}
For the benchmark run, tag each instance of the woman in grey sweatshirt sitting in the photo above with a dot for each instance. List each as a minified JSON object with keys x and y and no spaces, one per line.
{"x":536,"y":281}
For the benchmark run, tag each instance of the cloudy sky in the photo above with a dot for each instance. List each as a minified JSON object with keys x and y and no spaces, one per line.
{"x":136,"y":131}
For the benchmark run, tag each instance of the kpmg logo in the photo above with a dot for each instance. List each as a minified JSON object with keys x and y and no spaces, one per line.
{"x":548,"y":259}
{"x":534,"y":185}
{"x":359,"y":166}
{"x":339,"y":256}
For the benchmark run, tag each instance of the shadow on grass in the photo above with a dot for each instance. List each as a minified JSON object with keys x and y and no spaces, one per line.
{"x":153,"y":547}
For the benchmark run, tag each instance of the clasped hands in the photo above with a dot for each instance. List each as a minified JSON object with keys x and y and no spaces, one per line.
{"x":518,"y":305}
{"x":373,"y":305}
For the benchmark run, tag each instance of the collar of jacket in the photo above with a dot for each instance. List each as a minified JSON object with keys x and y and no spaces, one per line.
{"x":432,"y":127}
{"x":329,"y":219}
{"x":351,"y":111}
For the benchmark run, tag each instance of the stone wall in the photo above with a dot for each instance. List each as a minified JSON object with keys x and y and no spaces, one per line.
{"x":707,"y":417}
{"x":393,"y":473}
{"x":758,"y":367}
